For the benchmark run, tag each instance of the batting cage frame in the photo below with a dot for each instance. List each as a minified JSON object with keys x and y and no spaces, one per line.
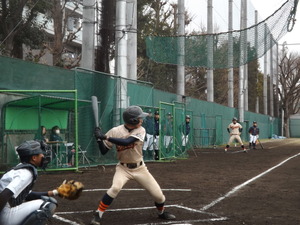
{"x":23,"y":118}
{"x":173,"y":143}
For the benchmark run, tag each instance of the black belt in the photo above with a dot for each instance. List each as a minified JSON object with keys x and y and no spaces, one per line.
{"x":132,"y":165}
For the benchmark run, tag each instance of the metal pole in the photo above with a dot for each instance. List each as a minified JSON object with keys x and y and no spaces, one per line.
{"x":277,"y":81}
{"x":88,"y":35}
{"x":230,"y":55}
{"x":241,"y":67}
{"x":180,"y":63}
{"x":256,"y":49}
{"x":265,"y":83}
{"x":246,"y":60}
{"x":121,"y":59}
{"x":210,"y":56}
{"x":271,"y":78}
{"x":131,"y":17}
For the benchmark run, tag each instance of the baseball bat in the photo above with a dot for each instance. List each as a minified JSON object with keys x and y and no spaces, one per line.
{"x":95,"y":110}
{"x":262,"y":147}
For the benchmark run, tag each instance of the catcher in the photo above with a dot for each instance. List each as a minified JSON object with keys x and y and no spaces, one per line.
{"x":18,"y":204}
{"x":128,"y":139}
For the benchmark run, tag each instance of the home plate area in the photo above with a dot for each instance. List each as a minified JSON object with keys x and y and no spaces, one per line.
{"x":143,"y":216}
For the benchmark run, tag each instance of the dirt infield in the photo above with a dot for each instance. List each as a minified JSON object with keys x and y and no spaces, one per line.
{"x":211,"y":187}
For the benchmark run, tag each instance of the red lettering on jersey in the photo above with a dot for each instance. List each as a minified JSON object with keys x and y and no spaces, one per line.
{"x":122,"y":147}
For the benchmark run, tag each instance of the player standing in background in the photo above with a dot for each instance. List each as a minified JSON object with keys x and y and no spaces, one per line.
{"x":128,"y":139}
{"x":235,"y":129}
{"x":148,"y":124}
{"x":185,"y":129}
{"x":168,"y":132}
{"x":156,"y":135}
{"x":18,"y":204}
{"x":253,"y":133}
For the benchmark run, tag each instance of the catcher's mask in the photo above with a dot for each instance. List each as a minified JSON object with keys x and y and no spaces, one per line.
{"x":30,"y":148}
{"x":132,"y":114}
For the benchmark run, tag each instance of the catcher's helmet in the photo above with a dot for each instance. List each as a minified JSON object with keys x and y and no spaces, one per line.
{"x":29,"y":148}
{"x":132,"y":114}
{"x":234,"y":118}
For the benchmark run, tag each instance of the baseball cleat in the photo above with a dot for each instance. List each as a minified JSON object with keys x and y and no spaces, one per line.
{"x":96,"y":220}
{"x":167,"y":216}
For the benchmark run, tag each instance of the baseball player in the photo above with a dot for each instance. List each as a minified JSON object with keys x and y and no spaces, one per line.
{"x":148,"y":124}
{"x":156,"y":135}
{"x":253,"y":133}
{"x":235,"y":129}
{"x":18,"y":204}
{"x":128,"y":139}
{"x":185,"y":129}
{"x":168,"y":131}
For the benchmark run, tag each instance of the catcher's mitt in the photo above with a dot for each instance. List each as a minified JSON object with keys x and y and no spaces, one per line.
{"x":70,"y":189}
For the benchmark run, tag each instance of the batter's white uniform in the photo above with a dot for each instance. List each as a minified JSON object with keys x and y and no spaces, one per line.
{"x":235,"y":133}
{"x":16,"y":181}
{"x":132,"y":156}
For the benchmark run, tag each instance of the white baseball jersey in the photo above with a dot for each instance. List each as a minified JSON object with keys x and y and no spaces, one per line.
{"x":131,"y":153}
{"x":16,"y":181}
{"x":234,"y":128}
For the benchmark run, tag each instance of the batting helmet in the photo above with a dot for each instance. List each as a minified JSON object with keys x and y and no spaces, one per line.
{"x":187,"y":117}
{"x":234,"y":118}
{"x":29,"y":148}
{"x":132,"y":114}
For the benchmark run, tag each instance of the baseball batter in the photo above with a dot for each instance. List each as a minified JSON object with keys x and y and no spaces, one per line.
{"x":235,"y":129}
{"x":253,"y":135}
{"x":18,"y":204}
{"x":128,"y":139}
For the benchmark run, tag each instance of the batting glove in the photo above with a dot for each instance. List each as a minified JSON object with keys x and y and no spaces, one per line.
{"x":98,"y":134}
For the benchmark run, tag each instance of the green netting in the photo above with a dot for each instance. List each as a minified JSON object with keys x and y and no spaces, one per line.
{"x":49,"y":108}
{"x":246,"y":45}
{"x":294,"y":128}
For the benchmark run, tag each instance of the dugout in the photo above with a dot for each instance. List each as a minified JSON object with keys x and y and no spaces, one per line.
{"x":22,"y":119}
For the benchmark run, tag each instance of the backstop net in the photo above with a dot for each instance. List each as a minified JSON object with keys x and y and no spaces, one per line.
{"x":229,"y":49}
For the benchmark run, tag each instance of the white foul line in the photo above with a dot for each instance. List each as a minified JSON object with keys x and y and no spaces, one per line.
{"x":235,"y":189}
{"x":65,"y":220}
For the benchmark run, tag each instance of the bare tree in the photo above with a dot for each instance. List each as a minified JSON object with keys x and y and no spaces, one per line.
{"x":289,"y":91}
{"x":19,"y":25}
{"x":61,"y":38}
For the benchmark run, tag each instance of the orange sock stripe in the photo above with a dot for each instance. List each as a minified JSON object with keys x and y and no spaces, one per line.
{"x":102,"y":207}
{"x":161,"y":208}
